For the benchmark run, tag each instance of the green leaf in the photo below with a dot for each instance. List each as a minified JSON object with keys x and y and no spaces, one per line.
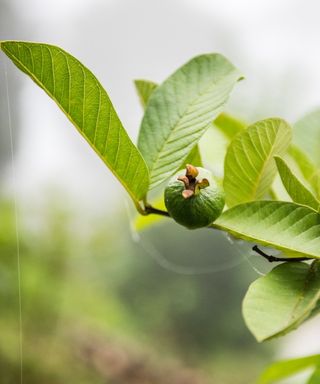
{"x":286,"y":226}
{"x":229,"y":125}
{"x":181,"y":109}
{"x":280,"y":301}
{"x":306,"y":135}
{"x":286,"y":368}
{"x":315,"y":377}
{"x":87,"y":105}
{"x":309,"y":171}
{"x":295,"y":188}
{"x":249,"y":166}
{"x":144,"y":90}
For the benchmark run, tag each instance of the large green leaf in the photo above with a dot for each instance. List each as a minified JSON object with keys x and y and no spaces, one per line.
{"x":87,"y":105}
{"x":144,"y":90}
{"x":249,"y":167}
{"x":306,"y":135}
{"x":286,"y":368}
{"x":298,"y":192}
{"x":181,"y":109}
{"x":281,"y":300}
{"x":286,"y":226}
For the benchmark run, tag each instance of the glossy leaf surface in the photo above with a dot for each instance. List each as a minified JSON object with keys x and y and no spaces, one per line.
{"x":87,"y":105}
{"x":286,"y":226}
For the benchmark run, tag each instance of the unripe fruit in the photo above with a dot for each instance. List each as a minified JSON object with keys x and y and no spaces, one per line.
{"x":194,"y":199}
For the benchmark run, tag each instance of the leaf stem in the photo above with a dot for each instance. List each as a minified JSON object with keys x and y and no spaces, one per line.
{"x":272,"y":259}
{"x":149,"y":209}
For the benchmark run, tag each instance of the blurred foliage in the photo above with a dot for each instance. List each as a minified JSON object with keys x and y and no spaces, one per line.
{"x":98,"y":307}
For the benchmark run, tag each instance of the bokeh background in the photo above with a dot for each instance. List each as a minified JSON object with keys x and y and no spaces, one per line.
{"x":100,"y":301}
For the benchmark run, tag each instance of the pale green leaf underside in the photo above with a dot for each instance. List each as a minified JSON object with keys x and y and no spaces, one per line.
{"x":87,"y":105}
{"x":286,"y":226}
{"x":306,"y":135}
{"x":181,"y":109}
{"x":298,"y":192}
{"x":280,"y":301}
{"x":249,"y":166}
{"x":286,"y":368}
{"x":310,"y":172}
{"x":144,"y":90}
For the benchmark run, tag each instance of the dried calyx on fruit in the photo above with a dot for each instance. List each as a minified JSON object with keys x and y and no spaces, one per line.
{"x":194,"y":200}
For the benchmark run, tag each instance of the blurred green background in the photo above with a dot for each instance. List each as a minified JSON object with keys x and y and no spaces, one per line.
{"x":100,"y":306}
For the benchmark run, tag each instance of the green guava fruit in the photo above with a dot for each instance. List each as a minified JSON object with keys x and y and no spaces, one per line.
{"x":194,"y":200}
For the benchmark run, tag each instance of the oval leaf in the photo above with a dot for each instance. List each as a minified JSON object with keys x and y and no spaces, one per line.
{"x":295,"y":188}
{"x":281,"y":300}
{"x":87,"y":105}
{"x":181,"y":109}
{"x":286,"y":226}
{"x":249,"y":167}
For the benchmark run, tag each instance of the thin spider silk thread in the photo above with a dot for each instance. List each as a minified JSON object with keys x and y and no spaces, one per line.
{"x":161,"y":260}
{"x":14,"y":182}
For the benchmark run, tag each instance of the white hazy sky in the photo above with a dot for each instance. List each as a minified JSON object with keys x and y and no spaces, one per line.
{"x":274,"y":43}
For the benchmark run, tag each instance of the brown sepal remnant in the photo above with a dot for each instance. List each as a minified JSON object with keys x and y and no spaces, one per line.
{"x":187,"y":193}
{"x":203,"y":183}
{"x":184,"y":179}
{"x":191,"y":184}
{"x":191,"y":171}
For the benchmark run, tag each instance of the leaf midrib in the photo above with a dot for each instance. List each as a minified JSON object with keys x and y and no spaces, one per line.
{"x":267,"y":161}
{"x":41,"y":85}
{"x":303,"y":295}
{"x":245,"y":236}
{"x":185,"y":112}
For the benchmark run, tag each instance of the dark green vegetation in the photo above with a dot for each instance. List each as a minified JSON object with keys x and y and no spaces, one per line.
{"x":97,"y":308}
{"x":178,"y":113}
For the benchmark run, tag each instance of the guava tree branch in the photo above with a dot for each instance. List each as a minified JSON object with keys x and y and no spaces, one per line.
{"x":272,"y":259}
{"x":149,"y":209}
